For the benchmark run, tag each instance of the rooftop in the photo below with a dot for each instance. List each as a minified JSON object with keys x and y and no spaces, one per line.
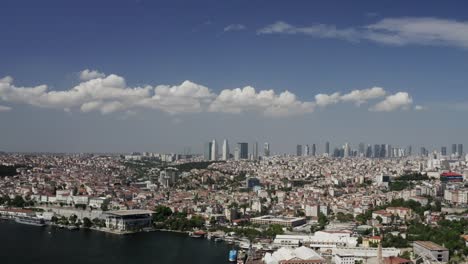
{"x":430,"y":245}
{"x":129,"y":212}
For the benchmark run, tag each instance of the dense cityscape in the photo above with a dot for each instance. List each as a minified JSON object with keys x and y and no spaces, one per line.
{"x":379,"y":204}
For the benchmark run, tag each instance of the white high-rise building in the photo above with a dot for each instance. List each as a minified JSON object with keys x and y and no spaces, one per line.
{"x":225,"y":150}
{"x":346,"y":150}
{"x":306,"y":150}
{"x":266,"y":149}
{"x":214,"y":150}
{"x":255,"y":151}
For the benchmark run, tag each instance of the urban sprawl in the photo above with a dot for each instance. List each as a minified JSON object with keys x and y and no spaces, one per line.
{"x":346,"y":205}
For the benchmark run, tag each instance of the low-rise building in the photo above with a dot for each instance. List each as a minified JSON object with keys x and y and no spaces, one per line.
{"x":431,"y":250}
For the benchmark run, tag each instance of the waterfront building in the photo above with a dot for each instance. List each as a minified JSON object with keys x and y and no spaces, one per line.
{"x":128,"y":220}
{"x":301,"y":255}
{"x":279,"y":220}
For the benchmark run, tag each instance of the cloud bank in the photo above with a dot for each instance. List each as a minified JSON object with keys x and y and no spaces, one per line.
{"x":389,"y":31}
{"x":109,"y":94}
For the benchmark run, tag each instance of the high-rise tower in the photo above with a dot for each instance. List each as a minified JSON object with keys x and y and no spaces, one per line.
{"x":225,"y":154}
{"x":214,"y":150}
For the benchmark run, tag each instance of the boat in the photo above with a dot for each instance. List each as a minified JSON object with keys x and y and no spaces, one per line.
{"x":72,"y":228}
{"x":30,"y":221}
{"x":232,"y":255}
{"x":244,"y":244}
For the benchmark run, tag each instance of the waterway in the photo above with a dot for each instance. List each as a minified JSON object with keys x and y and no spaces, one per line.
{"x":49,"y":245}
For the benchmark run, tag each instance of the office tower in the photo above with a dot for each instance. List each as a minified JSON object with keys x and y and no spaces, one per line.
{"x":306,"y":150}
{"x":346,"y":150}
{"x":207,"y":151}
{"x":299,"y":150}
{"x":255,"y":151}
{"x":327,"y":148}
{"x":410,"y":150}
{"x":237,"y":152}
{"x":376,"y":151}
{"x":361,"y":149}
{"x":225,"y":150}
{"x":388,"y":151}
{"x":214,"y":150}
{"x":243,"y":150}
{"x":460,"y":150}
{"x":443,"y":151}
{"x":314,"y":150}
{"x":454,"y":149}
{"x":266,"y":149}
{"x":423,"y":152}
{"x":382,"y":151}
{"x":369,"y":151}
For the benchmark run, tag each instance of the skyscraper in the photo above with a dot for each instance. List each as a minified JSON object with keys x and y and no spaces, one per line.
{"x":327,"y":148}
{"x":207,"y":151}
{"x":214,"y":150}
{"x":266,"y":149}
{"x":243,"y":150}
{"x":299,"y":150}
{"x":460,"y":150}
{"x":225,"y":150}
{"x":306,"y":150}
{"x":361,"y":149}
{"x":454,"y":149}
{"x":255,"y":151}
{"x":369,"y":151}
{"x":376,"y":151}
{"x":346,"y":150}
{"x":443,"y":151}
{"x":314,"y":150}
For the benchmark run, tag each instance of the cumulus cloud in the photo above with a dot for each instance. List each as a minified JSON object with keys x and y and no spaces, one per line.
{"x":234,"y":27}
{"x":87,"y":75}
{"x":266,"y":102}
{"x":362,"y":96}
{"x":400,"y":100}
{"x":4,"y":108}
{"x":389,"y":31}
{"x":326,"y":99}
{"x":109,"y":94}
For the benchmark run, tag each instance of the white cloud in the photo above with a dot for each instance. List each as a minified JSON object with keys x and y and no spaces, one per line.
{"x":111,"y":94}
{"x":400,"y":100}
{"x":419,"y":108}
{"x":234,"y":27}
{"x":87,"y":75}
{"x":362,"y":96}
{"x":266,"y":102}
{"x":318,"y":30}
{"x":426,"y":31}
{"x":4,"y":108}
{"x":325,"y":99}
{"x":389,"y":31}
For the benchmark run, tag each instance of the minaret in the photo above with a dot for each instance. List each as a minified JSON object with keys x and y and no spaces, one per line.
{"x":379,"y":251}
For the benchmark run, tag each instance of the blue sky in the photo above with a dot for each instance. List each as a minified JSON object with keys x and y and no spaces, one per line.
{"x":414,"y":55}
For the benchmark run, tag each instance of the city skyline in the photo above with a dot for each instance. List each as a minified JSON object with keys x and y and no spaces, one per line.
{"x":151,"y":81}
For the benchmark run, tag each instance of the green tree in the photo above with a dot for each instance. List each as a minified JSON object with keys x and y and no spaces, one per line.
{"x":87,"y":223}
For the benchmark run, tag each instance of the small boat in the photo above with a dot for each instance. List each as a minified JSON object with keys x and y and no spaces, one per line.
{"x":30,"y":221}
{"x":217,"y":239}
{"x":232,"y":255}
{"x":197,"y":234}
{"x":72,"y":228}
